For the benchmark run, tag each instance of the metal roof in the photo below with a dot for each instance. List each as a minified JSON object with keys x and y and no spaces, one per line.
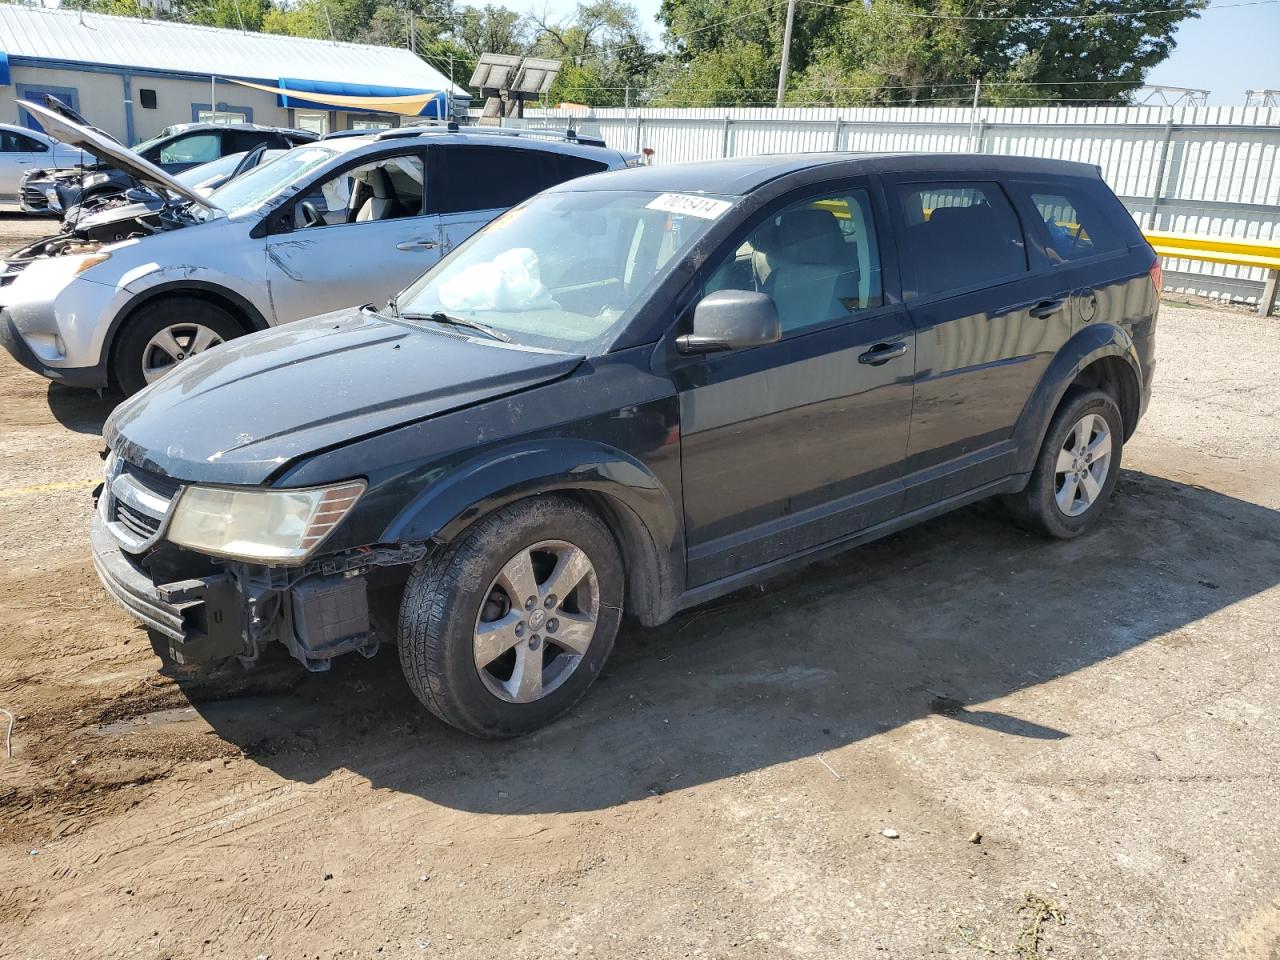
{"x":737,"y":176}
{"x":71,"y":36}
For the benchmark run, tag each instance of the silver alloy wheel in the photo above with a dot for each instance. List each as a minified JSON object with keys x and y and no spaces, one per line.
{"x":537,"y":621}
{"x":174,"y":344}
{"x":1083,"y":464}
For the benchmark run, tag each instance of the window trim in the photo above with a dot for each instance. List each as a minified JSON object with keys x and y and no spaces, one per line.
{"x":890,"y":292}
{"x":1022,"y":190}
{"x":894,"y":186}
{"x":280,"y":219}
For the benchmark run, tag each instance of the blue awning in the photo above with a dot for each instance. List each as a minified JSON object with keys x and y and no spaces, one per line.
{"x":4,"y":69}
{"x":437,"y":107}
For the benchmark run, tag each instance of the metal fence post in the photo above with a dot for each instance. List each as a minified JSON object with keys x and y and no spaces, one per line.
{"x":639,"y":120}
{"x":1158,"y":186}
{"x":1269,"y":291}
{"x":724,"y":138}
{"x":835,"y":140}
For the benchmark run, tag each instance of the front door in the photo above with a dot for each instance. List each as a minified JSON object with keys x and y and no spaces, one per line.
{"x":795,"y":444}
{"x":18,"y":154}
{"x":358,"y":236}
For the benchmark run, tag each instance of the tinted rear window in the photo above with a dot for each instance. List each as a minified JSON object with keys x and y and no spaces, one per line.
{"x":958,"y":235}
{"x":464,"y":177}
{"x":1076,"y":223}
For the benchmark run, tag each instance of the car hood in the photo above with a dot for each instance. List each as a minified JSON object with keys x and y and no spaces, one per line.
{"x":242,"y":411}
{"x":120,"y":156}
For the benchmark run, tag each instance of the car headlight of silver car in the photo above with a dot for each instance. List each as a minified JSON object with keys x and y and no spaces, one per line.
{"x":261,"y":526}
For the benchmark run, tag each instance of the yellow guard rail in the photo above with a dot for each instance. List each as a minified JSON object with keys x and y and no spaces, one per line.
{"x":1234,"y":250}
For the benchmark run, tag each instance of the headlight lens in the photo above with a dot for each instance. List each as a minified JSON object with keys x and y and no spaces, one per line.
{"x":263,"y":526}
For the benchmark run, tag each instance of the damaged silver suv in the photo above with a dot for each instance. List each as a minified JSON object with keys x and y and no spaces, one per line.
{"x":330,"y":224}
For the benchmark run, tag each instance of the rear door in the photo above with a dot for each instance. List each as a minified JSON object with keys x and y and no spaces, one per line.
{"x":355,"y":236}
{"x":986,"y":328}
{"x":470,"y":184}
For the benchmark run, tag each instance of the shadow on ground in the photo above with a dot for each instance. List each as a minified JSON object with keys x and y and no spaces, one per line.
{"x":938,"y":619}
{"x":84,"y":411}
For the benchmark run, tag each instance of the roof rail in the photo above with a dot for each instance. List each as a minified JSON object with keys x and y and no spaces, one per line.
{"x":566,"y":136}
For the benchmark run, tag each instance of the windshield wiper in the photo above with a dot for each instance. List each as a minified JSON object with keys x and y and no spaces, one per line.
{"x":452,"y":321}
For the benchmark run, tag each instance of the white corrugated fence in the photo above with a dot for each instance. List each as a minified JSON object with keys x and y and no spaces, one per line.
{"x":1205,"y":170}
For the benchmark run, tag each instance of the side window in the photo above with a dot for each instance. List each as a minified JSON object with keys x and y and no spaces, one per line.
{"x":818,"y":259}
{"x":384,"y":189}
{"x":13,"y":142}
{"x":242,"y":141}
{"x":958,"y":235}
{"x":193,"y":148}
{"x":1075,"y":225}
{"x":466,"y":177}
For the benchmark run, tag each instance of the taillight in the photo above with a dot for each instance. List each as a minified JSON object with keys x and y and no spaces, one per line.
{"x":1157,"y":276}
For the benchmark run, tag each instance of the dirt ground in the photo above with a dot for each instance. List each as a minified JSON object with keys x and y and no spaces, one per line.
{"x":1078,"y":739}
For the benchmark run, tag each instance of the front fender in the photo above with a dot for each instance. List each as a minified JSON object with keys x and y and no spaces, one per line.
{"x":635,"y":504}
{"x":1088,"y":345}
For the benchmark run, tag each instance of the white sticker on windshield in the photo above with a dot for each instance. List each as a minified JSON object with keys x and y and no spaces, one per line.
{"x":707,"y":208}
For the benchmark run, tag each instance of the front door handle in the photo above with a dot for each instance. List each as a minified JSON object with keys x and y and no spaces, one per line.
{"x":1047,"y":308}
{"x":883,"y":353}
{"x":417,"y":245}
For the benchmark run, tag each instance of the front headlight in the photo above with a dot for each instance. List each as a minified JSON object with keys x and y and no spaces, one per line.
{"x":262,"y":526}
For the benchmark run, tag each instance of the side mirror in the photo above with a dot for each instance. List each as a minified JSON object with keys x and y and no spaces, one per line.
{"x":732,"y":320}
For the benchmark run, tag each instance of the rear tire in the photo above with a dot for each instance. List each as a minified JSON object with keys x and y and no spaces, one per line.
{"x":507,"y":628}
{"x":143,"y":353}
{"x":1076,"y":470}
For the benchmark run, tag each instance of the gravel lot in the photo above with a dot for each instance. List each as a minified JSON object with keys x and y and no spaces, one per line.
{"x":1082,"y":732}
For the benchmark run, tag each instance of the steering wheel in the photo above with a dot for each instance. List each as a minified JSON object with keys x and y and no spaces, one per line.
{"x":310,"y":214}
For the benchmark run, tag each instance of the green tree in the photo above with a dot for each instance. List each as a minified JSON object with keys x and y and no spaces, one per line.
{"x":603,"y":54}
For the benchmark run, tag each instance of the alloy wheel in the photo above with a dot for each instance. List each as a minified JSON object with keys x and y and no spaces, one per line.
{"x":537,"y":621}
{"x":1083,"y":464}
{"x":172,"y":345}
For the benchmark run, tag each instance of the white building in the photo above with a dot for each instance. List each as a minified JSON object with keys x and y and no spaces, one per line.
{"x":134,"y":77}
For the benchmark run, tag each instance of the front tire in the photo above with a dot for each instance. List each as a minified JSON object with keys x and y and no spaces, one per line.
{"x":163,"y":334}
{"x":1076,"y":470}
{"x":507,"y":628}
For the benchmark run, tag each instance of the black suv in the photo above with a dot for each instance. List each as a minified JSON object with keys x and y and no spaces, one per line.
{"x":635,"y":392}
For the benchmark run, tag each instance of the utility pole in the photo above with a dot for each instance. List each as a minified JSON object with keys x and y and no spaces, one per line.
{"x":786,"y":51}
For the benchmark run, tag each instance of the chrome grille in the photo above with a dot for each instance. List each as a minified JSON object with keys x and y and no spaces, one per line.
{"x":136,"y":522}
{"x":136,"y":504}
{"x":34,"y":197}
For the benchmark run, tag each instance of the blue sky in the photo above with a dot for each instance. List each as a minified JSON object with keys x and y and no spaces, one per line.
{"x":1226,"y":51}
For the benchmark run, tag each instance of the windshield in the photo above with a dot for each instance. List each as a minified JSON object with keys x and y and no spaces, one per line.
{"x":563,"y":270}
{"x":248,"y":191}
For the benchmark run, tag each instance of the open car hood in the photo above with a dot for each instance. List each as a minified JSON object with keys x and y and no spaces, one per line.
{"x":119,"y":156}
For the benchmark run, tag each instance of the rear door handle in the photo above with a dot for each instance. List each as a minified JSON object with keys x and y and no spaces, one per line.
{"x":417,"y":245}
{"x":883,"y":353}
{"x":1047,"y":308}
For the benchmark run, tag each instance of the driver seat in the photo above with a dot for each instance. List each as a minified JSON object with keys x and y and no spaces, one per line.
{"x":382,"y":203}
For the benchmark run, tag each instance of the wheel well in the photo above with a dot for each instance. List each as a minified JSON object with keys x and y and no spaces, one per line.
{"x":649,"y":594}
{"x":237,"y":311}
{"x":1114,"y":377}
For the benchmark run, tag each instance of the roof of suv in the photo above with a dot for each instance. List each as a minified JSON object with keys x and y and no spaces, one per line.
{"x":742,"y":175}
{"x":551,"y":140}
{"x":176,"y":128}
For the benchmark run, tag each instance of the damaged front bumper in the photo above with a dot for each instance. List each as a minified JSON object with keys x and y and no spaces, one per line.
{"x":201,"y":619}
{"x":318,"y":612}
